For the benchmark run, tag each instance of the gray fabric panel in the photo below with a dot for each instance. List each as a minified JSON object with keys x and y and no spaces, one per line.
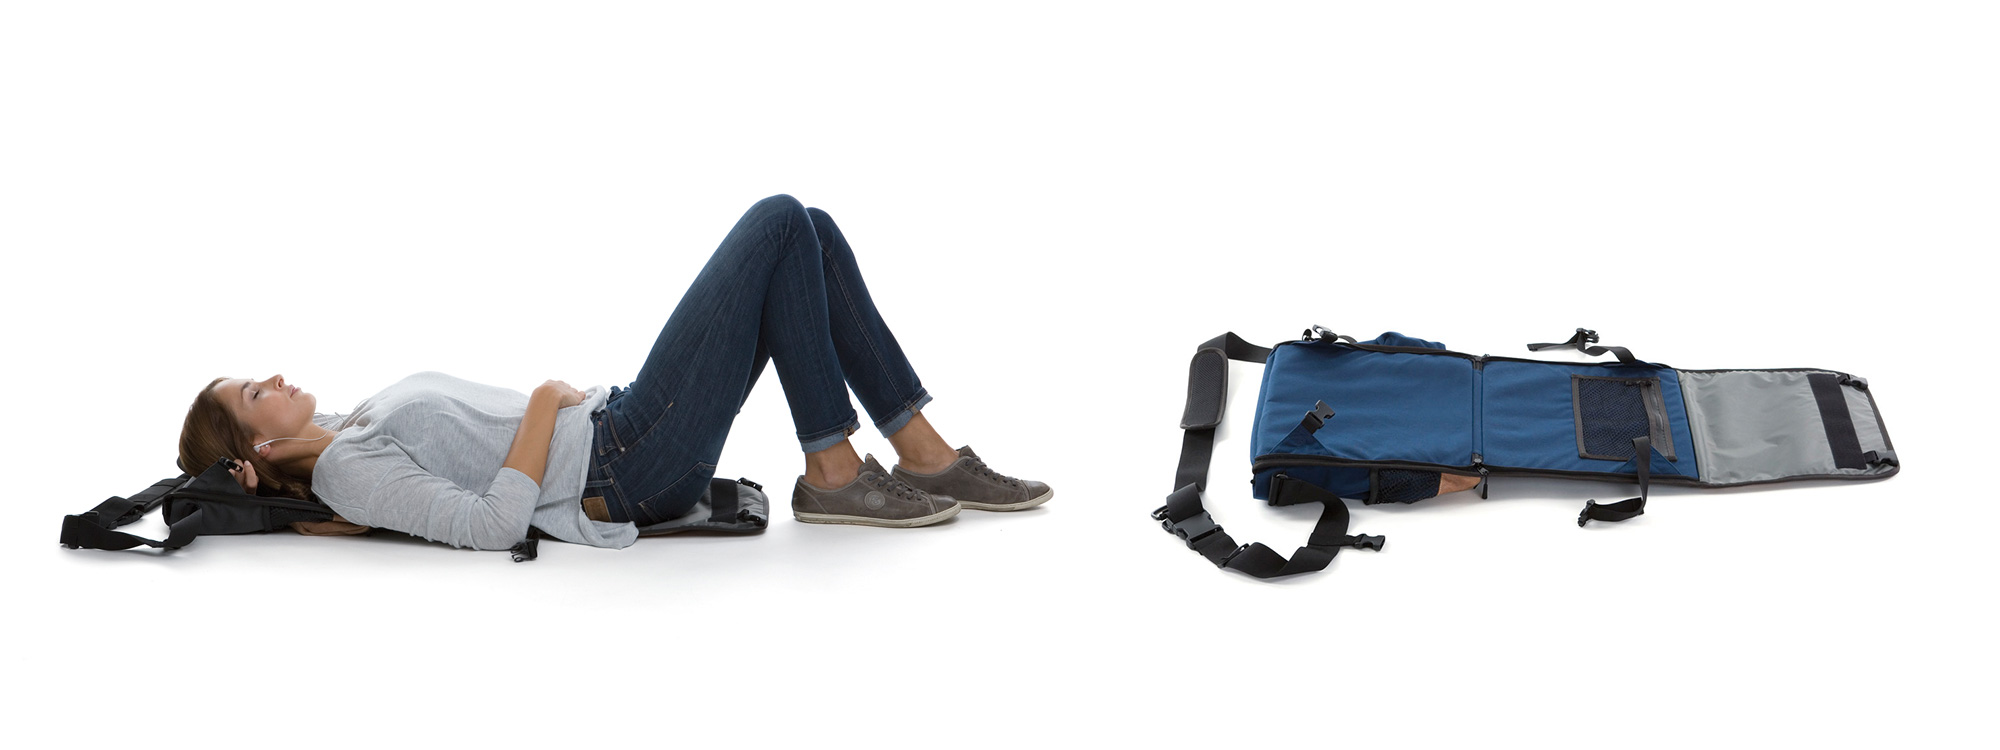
{"x":1755,"y":426}
{"x":1866,"y":426}
{"x":1697,"y":426}
{"x":754,"y":513}
{"x":1759,"y":426}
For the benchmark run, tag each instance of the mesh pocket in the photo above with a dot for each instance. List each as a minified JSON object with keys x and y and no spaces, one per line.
{"x":1400,"y":486}
{"x":1611,"y":412}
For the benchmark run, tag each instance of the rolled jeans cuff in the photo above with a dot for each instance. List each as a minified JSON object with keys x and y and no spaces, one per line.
{"x":830,"y":439}
{"x":903,"y":415}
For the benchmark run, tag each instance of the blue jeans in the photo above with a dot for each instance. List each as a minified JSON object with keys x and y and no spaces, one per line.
{"x":783,"y":287}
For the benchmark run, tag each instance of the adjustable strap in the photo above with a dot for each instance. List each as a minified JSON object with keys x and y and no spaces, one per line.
{"x":1183,"y":515}
{"x":85,"y":531}
{"x":96,"y":528}
{"x":1642,"y":448}
{"x":1582,"y":339}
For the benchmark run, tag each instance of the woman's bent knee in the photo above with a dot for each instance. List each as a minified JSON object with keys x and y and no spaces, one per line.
{"x":766,"y":231}
{"x":778,"y":206}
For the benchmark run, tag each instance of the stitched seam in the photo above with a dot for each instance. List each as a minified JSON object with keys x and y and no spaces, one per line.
{"x":700,"y":346}
{"x":847,"y":297}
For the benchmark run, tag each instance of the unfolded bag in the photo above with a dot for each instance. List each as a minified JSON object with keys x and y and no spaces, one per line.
{"x":1383,"y":420}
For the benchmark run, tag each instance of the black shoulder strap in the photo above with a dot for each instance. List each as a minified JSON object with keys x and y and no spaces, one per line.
{"x":1582,"y":339}
{"x":97,"y":528}
{"x":195,"y":505}
{"x":1183,"y":515}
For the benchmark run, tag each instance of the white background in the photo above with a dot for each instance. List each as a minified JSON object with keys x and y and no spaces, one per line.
{"x":1054,"y":202}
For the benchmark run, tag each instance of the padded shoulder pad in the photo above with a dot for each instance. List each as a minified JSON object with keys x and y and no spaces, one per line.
{"x":1208,"y":390}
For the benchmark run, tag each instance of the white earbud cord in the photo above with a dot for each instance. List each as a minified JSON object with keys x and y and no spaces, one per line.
{"x":273,"y":440}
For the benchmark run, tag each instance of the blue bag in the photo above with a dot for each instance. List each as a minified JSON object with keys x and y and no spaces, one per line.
{"x":1384,"y":420}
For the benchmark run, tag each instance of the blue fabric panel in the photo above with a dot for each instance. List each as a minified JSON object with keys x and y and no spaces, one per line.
{"x":1529,"y":422}
{"x":1392,"y":338}
{"x":1387,"y":406}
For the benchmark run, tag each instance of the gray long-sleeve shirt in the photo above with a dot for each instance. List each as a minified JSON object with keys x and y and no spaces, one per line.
{"x":424,"y":457}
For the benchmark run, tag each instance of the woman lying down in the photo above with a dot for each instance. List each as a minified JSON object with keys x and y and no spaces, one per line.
{"x":475,"y":465}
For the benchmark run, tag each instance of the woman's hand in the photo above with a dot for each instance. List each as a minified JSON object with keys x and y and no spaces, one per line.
{"x":566,"y":396}
{"x":245,"y":476}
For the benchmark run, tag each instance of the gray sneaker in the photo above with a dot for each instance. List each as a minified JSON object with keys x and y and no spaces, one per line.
{"x":875,"y":498}
{"x":975,"y":486}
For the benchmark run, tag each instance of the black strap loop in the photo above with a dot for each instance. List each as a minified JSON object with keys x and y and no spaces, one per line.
{"x":1582,"y":339}
{"x":1642,"y":448}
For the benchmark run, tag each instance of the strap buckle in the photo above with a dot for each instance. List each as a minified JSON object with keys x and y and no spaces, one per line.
{"x":1364,"y":541}
{"x":1316,"y":418}
{"x":1191,"y":529}
{"x":526,"y":550}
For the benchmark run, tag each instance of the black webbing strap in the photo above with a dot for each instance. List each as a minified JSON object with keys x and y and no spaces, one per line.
{"x":1642,"y":447}
{"x":1183,"y":515}
{"x":97,"y":528}
{"x":87,"y":531}
{"x":1583,"y":338}
{"x":1839,"y":422}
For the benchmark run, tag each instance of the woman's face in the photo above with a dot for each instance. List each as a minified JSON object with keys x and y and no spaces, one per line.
{"x":269,"y":408}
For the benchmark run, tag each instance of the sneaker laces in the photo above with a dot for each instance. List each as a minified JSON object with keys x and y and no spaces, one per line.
{"x":979,"y":467}
{"x":894,"y":486}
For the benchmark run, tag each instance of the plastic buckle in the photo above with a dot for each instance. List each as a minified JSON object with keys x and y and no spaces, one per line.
{"x":1191,"y":529}
{"x":1277,"y":488}
{"x":1583,"y":519}
{"x":526,"y":550}
{"x":1584,"y":336}
{"x":1366,"y":541}
{"x":748,"y":483}
{"x":1316,"y":418}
